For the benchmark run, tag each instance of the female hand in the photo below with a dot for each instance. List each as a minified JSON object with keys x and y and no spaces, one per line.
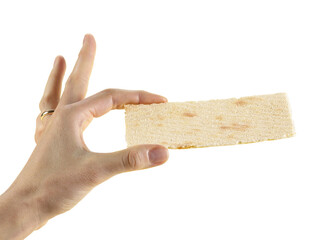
{"x":61,"y":169}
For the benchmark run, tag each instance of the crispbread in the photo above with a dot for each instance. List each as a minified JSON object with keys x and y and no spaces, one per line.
{"x":209,"y":123}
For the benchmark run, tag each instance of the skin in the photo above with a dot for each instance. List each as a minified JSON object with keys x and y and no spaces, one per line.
{"x":62,"y":170}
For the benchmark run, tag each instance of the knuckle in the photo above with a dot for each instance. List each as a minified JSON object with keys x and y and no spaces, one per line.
{"x":36,"y":137}
{"x":38,"y":133}
{"x":134,"y":160}
{"x":108,"y":91}
{"x":39,"y":129}
{"x":140,"y":94}
{"x":111,"y":94}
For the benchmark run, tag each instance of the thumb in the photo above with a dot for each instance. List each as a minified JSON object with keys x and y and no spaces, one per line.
{"x":133,"y":158}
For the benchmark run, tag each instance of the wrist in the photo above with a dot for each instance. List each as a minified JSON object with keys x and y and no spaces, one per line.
{"x":19,"y":214}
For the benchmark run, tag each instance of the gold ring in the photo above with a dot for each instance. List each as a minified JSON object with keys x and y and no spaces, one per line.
{"x":48,"y":112}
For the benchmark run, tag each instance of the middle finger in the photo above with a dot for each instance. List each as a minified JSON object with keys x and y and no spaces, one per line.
{"x":77,"y":84}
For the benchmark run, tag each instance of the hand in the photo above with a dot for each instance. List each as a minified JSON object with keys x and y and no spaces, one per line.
{"x":61,"y":169}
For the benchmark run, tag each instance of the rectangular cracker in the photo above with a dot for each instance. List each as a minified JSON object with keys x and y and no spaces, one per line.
{"x":209,"y":123}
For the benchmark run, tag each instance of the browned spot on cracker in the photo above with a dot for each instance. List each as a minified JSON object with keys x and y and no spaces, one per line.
{"x":185,"y":146}
{"x":235,"y":126}
{"x":240,"y":125}
{"x":160,"y":124}
{"x":188,"y":114}
{"x":160,"y":117}
{"x":240,"y":102}
{"x":219,"y":117}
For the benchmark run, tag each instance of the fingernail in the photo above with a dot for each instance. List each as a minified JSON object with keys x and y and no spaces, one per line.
{"x":165,"y":99}
{"x":158,"y":155}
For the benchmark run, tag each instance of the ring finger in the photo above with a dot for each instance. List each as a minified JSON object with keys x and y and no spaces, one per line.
{"x":52,"y":93}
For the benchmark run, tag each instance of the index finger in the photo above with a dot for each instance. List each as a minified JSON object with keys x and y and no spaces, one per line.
{"x":77,"y":84}
{"x":102,"y":102}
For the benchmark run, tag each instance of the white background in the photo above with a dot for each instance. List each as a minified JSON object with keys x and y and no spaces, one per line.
{"x":184,"y":50}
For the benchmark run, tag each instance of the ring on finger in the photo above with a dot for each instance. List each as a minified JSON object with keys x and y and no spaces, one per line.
{"x":47,"y":112}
